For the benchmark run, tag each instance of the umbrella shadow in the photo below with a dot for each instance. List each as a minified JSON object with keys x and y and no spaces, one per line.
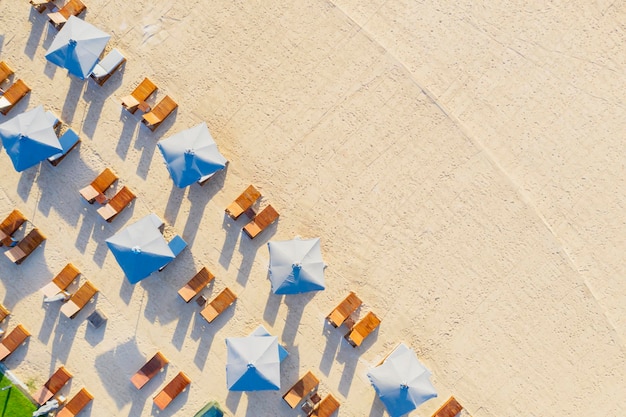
{"x":38,"y":22}
{"x":96,"y":96}
{"x":126,"y":290}
{"x":71,"y":99}
{"x":146,"y":143}
{"x":54,"y":196}
{"x":88,"y":226}
{"x":272,"y":305}
{"x":233,"y":231}
{"x":333,"y":339}
{"x":51,"y":318}
{"x":295,"y":308}
{"x":128,"y":133}
{"x":232,"y":401}
{"x":173,"y":205}
{"x":205,"y":332}
{"x":26,"y":182}
{"x":248,"y":249}
{"x":349,"y":356}
{"x":199,"y":196}
{"x":378,"y":408}
{"x":64,"y":334}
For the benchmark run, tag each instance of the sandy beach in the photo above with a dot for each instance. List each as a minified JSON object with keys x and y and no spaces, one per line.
{"x":463,"y":164}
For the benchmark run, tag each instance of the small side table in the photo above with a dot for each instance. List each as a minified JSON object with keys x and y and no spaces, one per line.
{"x":97,"y":318}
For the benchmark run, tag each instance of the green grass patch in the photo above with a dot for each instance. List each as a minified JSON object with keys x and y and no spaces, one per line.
{"x":12,"y":402}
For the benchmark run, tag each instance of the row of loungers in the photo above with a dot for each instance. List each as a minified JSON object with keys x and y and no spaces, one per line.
{"x":61,"y":282}
{"x":12,"y":95}
{"x":314,"y":405}
{"x":359,"y":331}
{"x":94,"y":192}
{"x":22,"y":249}
{"x":244,"y":204}
{"x":151,"y":369}
{"x":137,"y":100}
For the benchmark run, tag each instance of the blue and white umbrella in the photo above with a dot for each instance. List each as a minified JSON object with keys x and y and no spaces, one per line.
{"x":191,"y":155}
{"x":77,"y":47}
{"x":296,"y":266}
{"x":29,"y":138}
{"x":253,"y":363}
{"x":140,"y":248}
{"x":402,"y":382}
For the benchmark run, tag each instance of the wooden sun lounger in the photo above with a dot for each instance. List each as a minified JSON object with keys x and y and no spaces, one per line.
{"x":41,"y":5}
{"x":196,"y":284}
{"x":344,"y":309}
{"x":362,"y":329}
{"x":172,"y":390}
{"x":119,"y":202}
{"x":137,"y":99}
{"x":25,"y":247}
{"x":63,"y":279}
{"x":4,"y":313}
{"x":68,"y":140}
{"x":149,"y":370}
{"x":159,"y":113}
{"x":53,"y":385}
{"x":12,"y":341}
{"x":218,"y":305}
{"x":244,"y":202}
{"x":5,"y":71}
{"x":79,"y":299}
{"x":76,"y":404}
{"x":301,"y":389}
{"x":450,"y":408}
{"x":326,"y":407}
{"x":109,"y":64}
{"x":71,"y":8}
{"x":261,"y":221}
{"x":13,"y":95}
{"x":95,"y":190}
{"x":9,"y":225}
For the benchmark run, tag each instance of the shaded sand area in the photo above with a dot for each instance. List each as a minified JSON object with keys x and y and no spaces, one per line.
{"x":462,"y":163}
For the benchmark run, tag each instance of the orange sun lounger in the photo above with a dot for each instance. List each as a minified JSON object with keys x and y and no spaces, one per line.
{"x":196,"y":284}
{"x":137,"y":99}
{"x":450,"y":408}
{"x":159,"y":113}
{"x":95,"y":190}
{"x":119,"y":202}
{"x":5,"y":71}
{"x":71,"y":8}
{"x":79,"y":299}
{"x":362,"y":329}
{"x":53,"y":385}
{"x":13,"y":95}
{"x":301,"y":389}
{"x":63,"y":279}
{"x":326,"y":407}
{"x":172,"y":390}
{"x":4,"y":313}
{"x":12,"y":341}
{"x":344,"y":309}
{"x":218,"y":305}
{"x":244,"y":202}
{"x":149,"y":370}
{"x":261,"y":222}
{"x":25,"y":247}
{"x":76,"y":404}
{"x":13,"y":221}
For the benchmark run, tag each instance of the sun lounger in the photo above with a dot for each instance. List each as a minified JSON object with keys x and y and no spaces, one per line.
{"x":109,"y":64}
{"x":4,"y":313}
{"x":68,"y":141}
{"x":71,"y":8}
{"x":172,"y":390}
{"x":9,"y":225}
{"x":63,"y":279}
{"x":362,"y":329}
{"x":159,"y":113}
{"x":13,"y":95}
{"x":53,"y":385}
{"x":137,"y":99}
{"x":149,"y":370}
{"x":5,"y":71}
{"x":177,"y":245}
{"x":261,"y":221}
{"x":326,"y":407}
{"x":76,"y":404}
{"x":95,"y":190}
{"x":344,"y":309}
{"x":41,"y":5}
{"x":119,"y":202}
{"x":196,"y":284}
{"x":450,"y":408}
{"x":12,"y":341}
{"x":78,"y":300}
{"x":301,"y":389}
{"x":25,"y":246}
{"x":244,"y":202}
{"x":218,"y":305}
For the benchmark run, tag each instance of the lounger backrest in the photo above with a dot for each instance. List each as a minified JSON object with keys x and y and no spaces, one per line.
{"x":66,"y":276}
{"x":30,"y":242}
{"x":14,"y":339}
{"x":177,"y":385}
{"x":144,"y":90}
{"x":367,"y":324}
{"x":5,"y":71}
{"x":449,"y":409}
{"x":14,"y":94}
{"x":4,"y":313}
{"x":223,"y":300}
{"x":58,"y":380}
{"x":72,"y":8}
{"x":78,"y":402}
{"x":326,"y":407}
{"x":301,"y":388}
{"x":344,"y":309}
{"x":266,"y":217}
{"x":13,"y":222}
{"x":122,"y":199}
{"x":154,"y":365}
{"x":164,"y":108}
{"x":84,"y":294}
{"x":201,"y":279}
{"x":248,"y":197}
{"x":104,"y":180}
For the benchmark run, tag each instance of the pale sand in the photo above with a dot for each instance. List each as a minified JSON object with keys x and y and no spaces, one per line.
{"x":462,"y":163}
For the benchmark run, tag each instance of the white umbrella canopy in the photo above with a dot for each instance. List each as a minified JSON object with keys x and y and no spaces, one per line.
{"x":296,"y":266}
{"x":253,"y":363}
{"x":77,"y":47}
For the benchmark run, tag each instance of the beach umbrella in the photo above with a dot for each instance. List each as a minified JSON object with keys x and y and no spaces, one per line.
{"x":191,"y":155}
{"x":29,"y":138}
{"x":296,"y":266}
{"x":77,"y":47}
{"x":402,"y":382}
{"x":253,"y":363}
{"x":212,"y":409}
{"x":140,"y":248}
